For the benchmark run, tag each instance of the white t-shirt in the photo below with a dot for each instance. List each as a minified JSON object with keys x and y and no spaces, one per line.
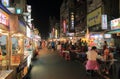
{"x":92,"y":55}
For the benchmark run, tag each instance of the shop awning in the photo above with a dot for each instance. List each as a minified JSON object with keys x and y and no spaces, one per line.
{"x":4,"y":8}
{"x":114,"y":31}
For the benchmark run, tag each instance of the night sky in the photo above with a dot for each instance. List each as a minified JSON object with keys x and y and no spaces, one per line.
{"x":41,"y":10}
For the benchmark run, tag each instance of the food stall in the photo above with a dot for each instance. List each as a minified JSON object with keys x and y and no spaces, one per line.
{"x":5,"y":72}
{"x":28,"y":51}
{"x":18,"y":36}
{"x":97,"y":40}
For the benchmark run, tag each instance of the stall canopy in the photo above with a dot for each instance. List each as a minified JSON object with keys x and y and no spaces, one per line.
{"x":114,"y":31}
{"x":4,"y":8}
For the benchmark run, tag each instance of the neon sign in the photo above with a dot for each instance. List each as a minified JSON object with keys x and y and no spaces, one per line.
{"x":3,"y":18}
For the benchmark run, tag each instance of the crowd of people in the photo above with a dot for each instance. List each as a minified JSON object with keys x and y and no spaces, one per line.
{"x":80,"y":50}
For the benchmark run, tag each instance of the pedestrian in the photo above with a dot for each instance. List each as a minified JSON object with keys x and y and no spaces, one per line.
{"x":105,"y":45}
{"x":53,"y":45}
{"x":107,"y":56}
{"x":91,"y":64}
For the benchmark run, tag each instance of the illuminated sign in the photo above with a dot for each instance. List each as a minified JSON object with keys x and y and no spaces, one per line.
{"x":72,"y":21}
{"x":18,"y":11}
{"x":3,"y":18}
{"x":53,"y":32}
{"x":115,"y":24}
{"x":104,"y":21}
{"x":107,"y":35}
{"x":29,"y":8}
{"x":28,"y":32}
{"x":5,"y":3}
{"x":94,"y":17}
{"x":56,"y":33}
{"x":64,"y":26}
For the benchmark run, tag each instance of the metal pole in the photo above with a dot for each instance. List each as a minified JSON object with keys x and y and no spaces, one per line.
{"x":9,"y":51}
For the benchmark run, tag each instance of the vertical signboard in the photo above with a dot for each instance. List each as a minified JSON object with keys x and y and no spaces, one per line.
{"x":64,"y":26}
{"x":104,"y":21}
{"x":72,"y":28}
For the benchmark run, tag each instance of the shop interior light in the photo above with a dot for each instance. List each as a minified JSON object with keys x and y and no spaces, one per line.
{"x":0,"y":31}
{"x":17,"y":35}
{"x":3,"y":32}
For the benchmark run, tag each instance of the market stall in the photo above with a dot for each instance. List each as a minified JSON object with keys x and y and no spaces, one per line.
{"x":5,"y":71}
{"x":18,"y":36}
{"x":36,"y":44}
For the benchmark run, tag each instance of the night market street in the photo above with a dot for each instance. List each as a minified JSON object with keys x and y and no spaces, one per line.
{"x":50,"y":65}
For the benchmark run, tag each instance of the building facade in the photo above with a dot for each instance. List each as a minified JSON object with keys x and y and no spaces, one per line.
{"x":80,"y":17}
{"x":67,"y":18}
{"x":54,"y":28}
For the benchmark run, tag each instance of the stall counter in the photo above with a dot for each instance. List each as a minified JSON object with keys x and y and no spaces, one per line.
{"x":6,"y":74}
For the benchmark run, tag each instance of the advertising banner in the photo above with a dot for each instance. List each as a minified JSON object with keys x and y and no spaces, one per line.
{"x":104,"y":22}
{"x":115,"y":24}
{"x":5,"y":3}
{"x":94,"y":17}
{"x":4,"y":20}
{"x":64,"y":26}
{"x":72,"y":26}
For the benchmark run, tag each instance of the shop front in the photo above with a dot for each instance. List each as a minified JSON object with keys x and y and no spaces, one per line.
{"x":5,"y":72}
{"x":115,"y":33}
{"x":28,"y":46}
{"x":18,"y":37}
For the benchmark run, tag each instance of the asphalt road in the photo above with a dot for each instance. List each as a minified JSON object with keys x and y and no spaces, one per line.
{"x":50,"y":65}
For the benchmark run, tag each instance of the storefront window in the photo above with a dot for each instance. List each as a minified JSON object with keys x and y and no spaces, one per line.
{"x":16,"y":56}
{"x":15,"y":47}
{"x":3,"y":51}
{"x":3,"y":45}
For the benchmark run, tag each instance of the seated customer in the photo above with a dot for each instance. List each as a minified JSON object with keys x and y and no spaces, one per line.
{"x":107,"y":55}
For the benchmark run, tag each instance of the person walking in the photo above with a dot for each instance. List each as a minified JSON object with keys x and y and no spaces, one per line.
{"x":91,"y":64}
{"x":53,"y":45}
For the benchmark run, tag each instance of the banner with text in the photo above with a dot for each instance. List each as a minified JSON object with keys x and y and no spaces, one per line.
{"x":94,"y":17}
